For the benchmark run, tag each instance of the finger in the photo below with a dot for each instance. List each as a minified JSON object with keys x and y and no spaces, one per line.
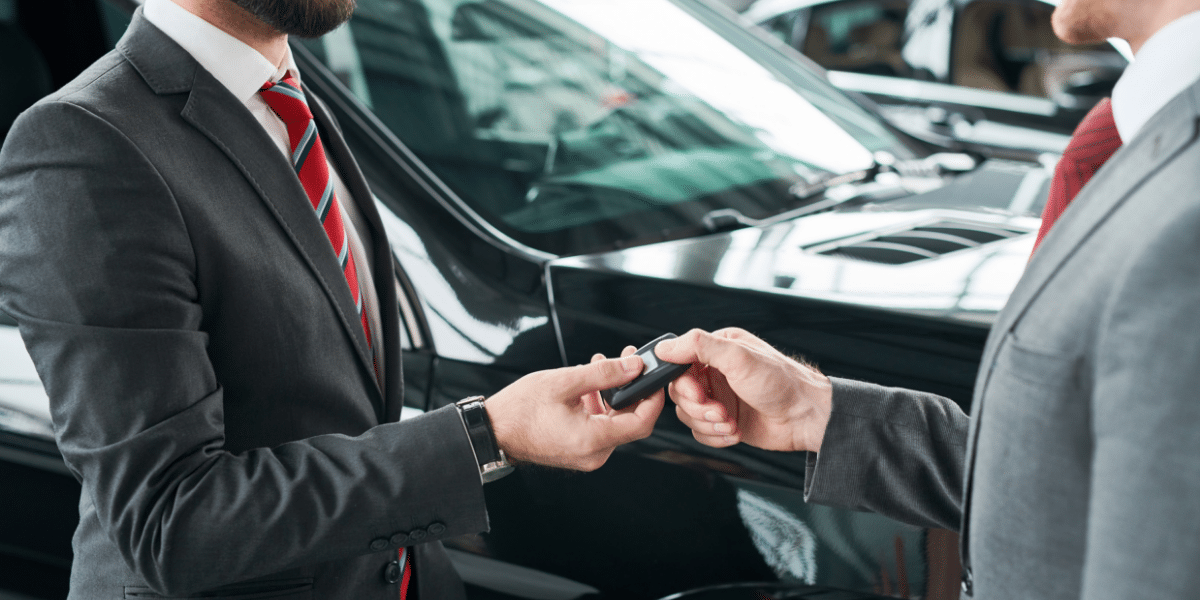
{"x":600,"y":375}
{"x":680,"y":350}
{"x":687,"y":388}
{"x":726,"y":402}
{"x":701,"y":430}
{"x":717,"y":441}
{"x":630,"y":425}
{"x":627,"y":351}
{"x":593,"y":404}
{"x":702,"y":426}
{"x":727,"y":352}
{"x":692,"y":393}
{"x":659,"y":397}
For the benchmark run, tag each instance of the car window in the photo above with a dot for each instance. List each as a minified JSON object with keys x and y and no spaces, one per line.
{"x":575,"y":126}
{"x":1010,"y":46}
{"x":860,"y":36}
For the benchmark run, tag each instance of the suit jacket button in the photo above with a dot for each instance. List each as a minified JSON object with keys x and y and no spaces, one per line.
{"x":378,"y":544}
{"x":437,"y":529}
{"x":417,"y":534}
{"x":399,"y":538}
{"x":392,"y":572}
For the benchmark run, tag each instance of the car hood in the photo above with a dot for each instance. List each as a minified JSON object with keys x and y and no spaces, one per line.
{"x":954,"y":252}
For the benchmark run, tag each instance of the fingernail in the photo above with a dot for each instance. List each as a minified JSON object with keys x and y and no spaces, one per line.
{"x":712,"y":416}
{"x":723,"y":428}
{"x":665,"y":345}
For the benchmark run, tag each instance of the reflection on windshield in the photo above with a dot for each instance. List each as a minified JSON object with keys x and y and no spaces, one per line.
{"x":576,"y":125}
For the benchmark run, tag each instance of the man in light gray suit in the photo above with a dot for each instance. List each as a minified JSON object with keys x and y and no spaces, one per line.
{"x":1078,"y":473}
{"x":204,"y":284}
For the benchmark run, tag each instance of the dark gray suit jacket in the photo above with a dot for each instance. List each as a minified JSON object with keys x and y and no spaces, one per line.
{"x":1080,"y":465}
{"x":208,"y":376}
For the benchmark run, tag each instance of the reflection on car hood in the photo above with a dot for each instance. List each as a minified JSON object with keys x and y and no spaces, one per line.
{"x":955,"y":252}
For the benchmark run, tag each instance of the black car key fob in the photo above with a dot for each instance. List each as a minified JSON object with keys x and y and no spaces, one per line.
{"x":655,"y":376}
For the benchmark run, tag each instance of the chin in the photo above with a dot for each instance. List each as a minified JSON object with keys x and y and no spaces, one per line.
{"x":1083,"y":21}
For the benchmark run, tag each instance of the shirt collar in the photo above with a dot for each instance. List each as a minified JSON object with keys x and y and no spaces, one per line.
{"x":1167,"y":64}
{"x":240,"y":68}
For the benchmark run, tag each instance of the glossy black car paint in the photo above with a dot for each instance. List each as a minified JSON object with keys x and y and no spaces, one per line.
{"x":666,"y":516}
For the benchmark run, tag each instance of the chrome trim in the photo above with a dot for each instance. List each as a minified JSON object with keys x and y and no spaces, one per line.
{"x":941,"y":92}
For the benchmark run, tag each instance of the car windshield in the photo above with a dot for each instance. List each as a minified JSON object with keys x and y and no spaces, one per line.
{"x":577,"y":125}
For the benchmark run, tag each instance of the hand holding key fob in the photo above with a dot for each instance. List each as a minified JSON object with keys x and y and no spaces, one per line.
{"x":655,"y":376}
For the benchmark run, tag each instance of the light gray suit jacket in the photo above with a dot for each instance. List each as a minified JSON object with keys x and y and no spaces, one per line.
{"x":208,"y":377}
{"x":1078,"y":473}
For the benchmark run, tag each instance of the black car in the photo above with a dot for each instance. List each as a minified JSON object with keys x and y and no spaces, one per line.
{"x":564,"y":177}
{"x":983,"y":72}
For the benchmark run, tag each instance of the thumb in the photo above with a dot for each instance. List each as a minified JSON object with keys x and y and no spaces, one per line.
{"x":603,"y":374}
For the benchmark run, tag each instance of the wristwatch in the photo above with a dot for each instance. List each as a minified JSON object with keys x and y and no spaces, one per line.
{"x":492,"y":463}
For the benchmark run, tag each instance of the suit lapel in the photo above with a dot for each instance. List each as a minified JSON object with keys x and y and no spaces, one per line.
{"x":381,"y":252}
{"x":1173,"y":129}
{"x":224,"y":120}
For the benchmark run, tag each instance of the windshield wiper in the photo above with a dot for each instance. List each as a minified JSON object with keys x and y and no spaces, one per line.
{"x":934,"y":165}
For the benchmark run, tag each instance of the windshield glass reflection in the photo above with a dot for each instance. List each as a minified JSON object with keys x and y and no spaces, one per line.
{"x":576,"y":125}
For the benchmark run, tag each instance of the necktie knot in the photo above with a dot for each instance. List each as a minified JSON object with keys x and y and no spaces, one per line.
{"x":286,"y":99}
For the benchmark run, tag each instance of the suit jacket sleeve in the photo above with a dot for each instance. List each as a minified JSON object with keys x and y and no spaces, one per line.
{"x":1143,"y":537}
{"x":96,"y":265}
{"x":892,"y":451}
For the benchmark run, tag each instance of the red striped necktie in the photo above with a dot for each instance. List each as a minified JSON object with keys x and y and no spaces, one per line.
{"x":1094,"y":141}
{"x":308,"y":158}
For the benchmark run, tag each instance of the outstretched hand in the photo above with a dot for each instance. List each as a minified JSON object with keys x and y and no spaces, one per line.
{"x":556,"y":418}
{"x":741,"y":389}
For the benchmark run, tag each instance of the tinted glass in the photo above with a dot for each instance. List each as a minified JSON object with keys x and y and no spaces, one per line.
{"x":576,"y":125}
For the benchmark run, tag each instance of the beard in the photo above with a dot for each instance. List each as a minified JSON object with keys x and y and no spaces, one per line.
{"x":301,"y":18}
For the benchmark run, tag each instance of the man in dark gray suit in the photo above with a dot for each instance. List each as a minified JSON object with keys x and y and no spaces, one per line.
{"x":1078,"y":473}
{"x":207,"y":292}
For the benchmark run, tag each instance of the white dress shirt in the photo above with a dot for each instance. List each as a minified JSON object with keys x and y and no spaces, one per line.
{"x":1166,"y":64}
{"x":243,"y":71}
